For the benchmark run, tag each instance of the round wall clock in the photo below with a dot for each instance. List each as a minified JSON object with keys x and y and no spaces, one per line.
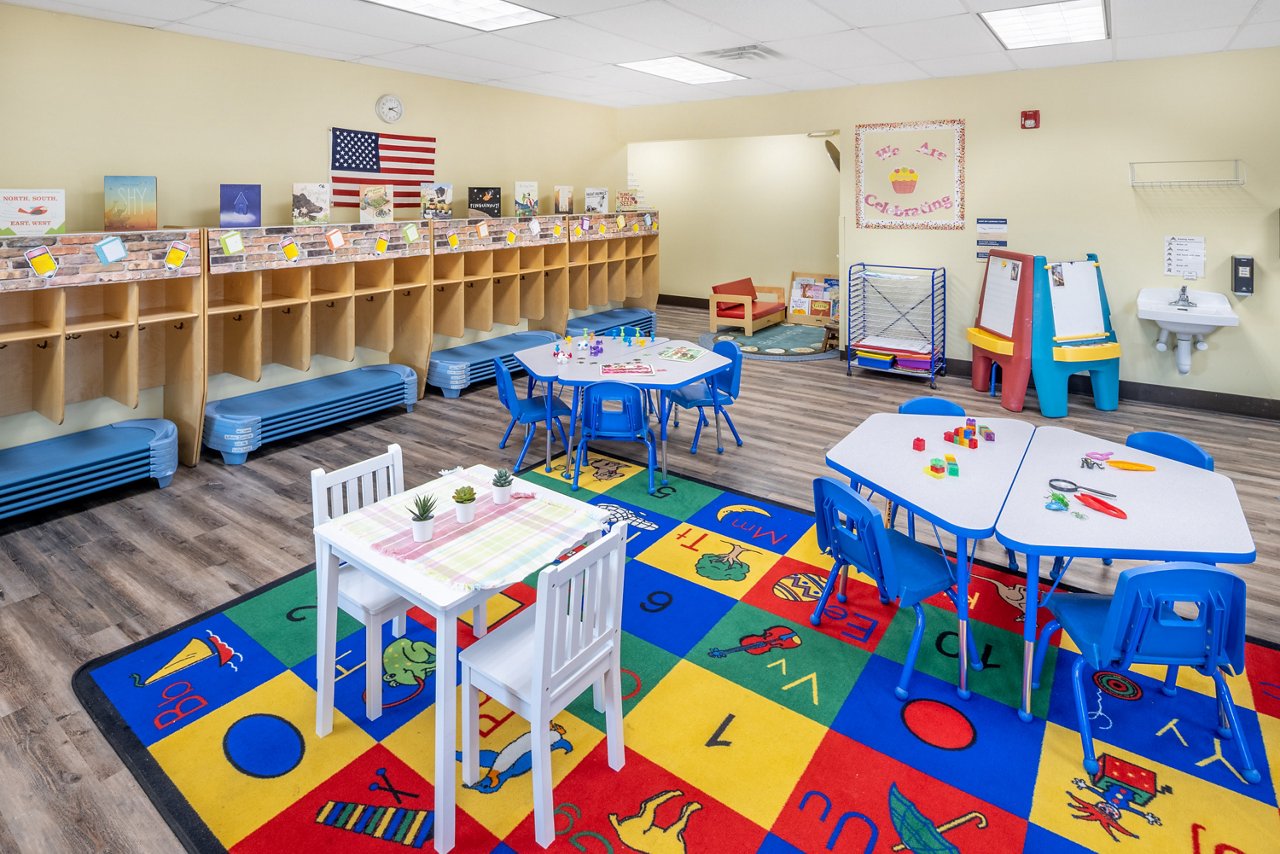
{"x":389,"y":108}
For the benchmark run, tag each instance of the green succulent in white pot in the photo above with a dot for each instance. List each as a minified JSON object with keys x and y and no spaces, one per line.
{"x":502,"y":487}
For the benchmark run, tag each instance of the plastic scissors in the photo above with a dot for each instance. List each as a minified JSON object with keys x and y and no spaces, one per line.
{"x":1070,"y":486}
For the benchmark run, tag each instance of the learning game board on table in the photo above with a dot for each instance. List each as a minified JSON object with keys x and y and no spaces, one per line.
{"x":626,"y":369}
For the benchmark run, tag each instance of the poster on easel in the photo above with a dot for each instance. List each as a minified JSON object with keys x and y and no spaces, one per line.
{"x":909,"y":175}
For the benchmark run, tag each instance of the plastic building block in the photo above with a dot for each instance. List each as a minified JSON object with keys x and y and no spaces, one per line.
{"x":917,"y":444}
{"x":951,"y":458}
{"x":937,"y":465}
{"x":929,"y":470}
{"x":970,"y":422}
{"x":948,"y":437}
{"x":953,"y":470}
{"x":973,"y":444}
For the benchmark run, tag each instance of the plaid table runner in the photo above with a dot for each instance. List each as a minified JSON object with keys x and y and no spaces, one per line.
{"x":501,"y":546}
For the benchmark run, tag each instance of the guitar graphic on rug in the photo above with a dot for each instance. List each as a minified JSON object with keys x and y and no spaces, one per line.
{"x":776,"y":637}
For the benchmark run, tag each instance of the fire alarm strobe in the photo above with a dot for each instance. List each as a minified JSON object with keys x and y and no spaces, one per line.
{"x":1030,"y":119}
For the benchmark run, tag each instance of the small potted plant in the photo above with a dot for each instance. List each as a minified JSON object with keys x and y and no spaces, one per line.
{"x":423,"y":514}
{"x":464,"y":503}
{"x":502,"y":487}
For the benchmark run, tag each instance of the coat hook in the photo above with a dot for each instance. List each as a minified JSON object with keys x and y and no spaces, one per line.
{"x":43,"y":345}
{"x":329,"y":304}
{"x":237,"y":316}
{"x":406,"y":293}
{"x":2,"y":346}
{"x":368,"y":299}
{"x":181,"y":324}
{"x":72,"y":336}
{"x":287,"y":310}
{"x":115,"y":335}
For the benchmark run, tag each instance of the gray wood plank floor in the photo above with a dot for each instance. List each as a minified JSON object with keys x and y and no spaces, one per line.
{"x":83,"y":580}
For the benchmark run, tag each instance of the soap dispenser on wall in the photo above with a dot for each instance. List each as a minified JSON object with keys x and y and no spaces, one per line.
{"x":1242,"y":275}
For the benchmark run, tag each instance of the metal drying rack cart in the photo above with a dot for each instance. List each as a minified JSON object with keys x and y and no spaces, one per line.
{"x":897,"y":320}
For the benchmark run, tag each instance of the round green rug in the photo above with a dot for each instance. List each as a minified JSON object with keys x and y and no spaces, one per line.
{"x":782,"y":341}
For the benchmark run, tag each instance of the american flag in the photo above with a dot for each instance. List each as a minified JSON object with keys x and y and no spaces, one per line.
{"x":365,"y":157}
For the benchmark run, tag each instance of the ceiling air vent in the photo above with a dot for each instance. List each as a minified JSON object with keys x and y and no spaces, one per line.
{"x":744,"y":53}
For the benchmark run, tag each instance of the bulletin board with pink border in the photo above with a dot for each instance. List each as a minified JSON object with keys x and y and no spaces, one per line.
{"x":910,"y":174}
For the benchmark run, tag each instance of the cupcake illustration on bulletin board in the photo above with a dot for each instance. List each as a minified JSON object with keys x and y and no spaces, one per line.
{"x":903,"y":180}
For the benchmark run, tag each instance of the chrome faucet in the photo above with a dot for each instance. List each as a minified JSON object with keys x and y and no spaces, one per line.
{"x":1183,"y":301}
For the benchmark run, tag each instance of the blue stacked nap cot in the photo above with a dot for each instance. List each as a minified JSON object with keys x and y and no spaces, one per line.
{"x":237,"y":425}
{"x":603,"y":322}
{"x":51,"y":471}
{"x":455,"y":368}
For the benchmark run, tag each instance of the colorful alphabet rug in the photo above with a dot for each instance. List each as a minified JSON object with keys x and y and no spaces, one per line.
{"x":747,"y":727}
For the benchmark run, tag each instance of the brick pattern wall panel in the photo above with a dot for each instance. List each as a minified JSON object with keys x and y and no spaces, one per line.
{"x":606,"y":226}
{"x":262,"y":245}
{"x":471,"y":235}
{"x":78,"y":264}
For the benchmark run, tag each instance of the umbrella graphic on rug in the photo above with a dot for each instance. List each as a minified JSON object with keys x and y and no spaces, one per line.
{"x":196,"y":651}
{"x":918,"y":833}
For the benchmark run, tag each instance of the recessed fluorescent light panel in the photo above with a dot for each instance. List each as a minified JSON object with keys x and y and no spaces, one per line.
{"x":682,"y":70}
{"x":1048,"y":23}
{"x":487,"y":15}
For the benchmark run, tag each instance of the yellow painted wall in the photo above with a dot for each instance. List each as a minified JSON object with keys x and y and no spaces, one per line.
{"x":86,"y":98}
{"x":1065,"y":187}
{"x":746,"y":206}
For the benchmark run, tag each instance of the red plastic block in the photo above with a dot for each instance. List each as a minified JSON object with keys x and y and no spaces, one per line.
{"x":917,"y":444}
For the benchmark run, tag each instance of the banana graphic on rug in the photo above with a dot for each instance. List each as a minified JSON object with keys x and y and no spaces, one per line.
{"x":641,"y":833}
{"x":514,"y":759}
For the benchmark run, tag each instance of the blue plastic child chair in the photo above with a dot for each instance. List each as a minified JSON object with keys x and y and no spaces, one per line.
{"x":850,"y":529}
{"x":723,"y":392}
{"x":1139,"y":625}
{"x":529,"y":411}
{"x":1171,"y":446}
{"x":614,"y":411}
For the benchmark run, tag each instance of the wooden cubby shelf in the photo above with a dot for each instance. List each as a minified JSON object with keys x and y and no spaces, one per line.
{"x":96,"y":344}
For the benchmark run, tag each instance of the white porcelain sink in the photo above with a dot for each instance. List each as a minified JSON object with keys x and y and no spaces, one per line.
{"x":1211,"y":311}
{"x":1208,"y":312}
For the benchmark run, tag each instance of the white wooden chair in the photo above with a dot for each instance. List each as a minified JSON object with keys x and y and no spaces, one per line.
{"x":367,"y":599}
{"x":543,"y":658}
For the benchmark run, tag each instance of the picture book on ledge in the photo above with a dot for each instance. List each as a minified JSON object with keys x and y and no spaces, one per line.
{"x":239,"y":205}
{"x":526,"y":198}
{"x":596,"y":200}
{"x":626,"y":201}
{"x":484,"y":201}
{"x":129,"y":203}
{"x":437,"y":201}
{"x":311,"y":203}
{"x":563,"y":199}
{"x":376,"y":203}
{"x":33,"y":212}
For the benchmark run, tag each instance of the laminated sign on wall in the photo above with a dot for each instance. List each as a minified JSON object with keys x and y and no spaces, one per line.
{"x":910,"y":174}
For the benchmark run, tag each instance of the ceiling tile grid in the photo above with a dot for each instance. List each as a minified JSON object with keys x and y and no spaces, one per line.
{"x":777,"y":47}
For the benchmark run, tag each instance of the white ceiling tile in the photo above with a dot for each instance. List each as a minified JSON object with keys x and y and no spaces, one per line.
{"x":741,"y":88}
{"x":1151,"y":17}
{"x":1265,"y":12}
{"x":938,"y":38}
{"x":836,"y":51}
{"x":560,"y":85}
{"x":444,"y":74}
{"x":495,"y":48}
{"x":756,"y":67}
{"x":563,"y":8}
{"x":960,"y":66}
{"x":255,"y":41}
{"x":1049,"y":56}
{"x":874,"y":13}
{"x":369,"y":19}
{"x":1265,"y":34}
{"x":662,"y":24}
{"x":242,"y":22}
{"x":430,"y":60}
{"x":87,"y":12}
{"x":1174,"y":44}
{"x":815,"y":79}
{"x":122,"y":10}
{"x":893,"y":72}
{"x":577,"y":39}
{"x":629,"y":99}
{"x":760,"y":19}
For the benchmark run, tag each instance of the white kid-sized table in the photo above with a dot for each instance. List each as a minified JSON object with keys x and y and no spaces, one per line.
{"x":460,"y":568}
{"x":583,"y":370}
{"x":878,"y":454}
{"x":1177,"y":512}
